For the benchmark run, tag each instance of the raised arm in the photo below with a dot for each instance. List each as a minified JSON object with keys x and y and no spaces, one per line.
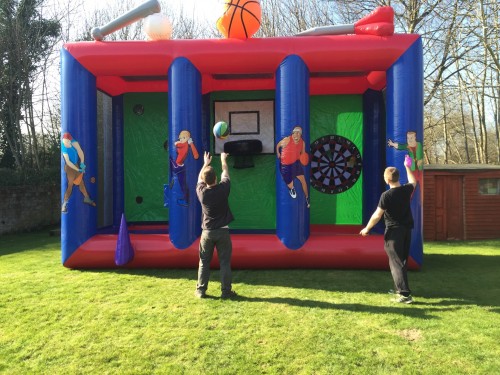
{"x":225,"y":169}
{"x":411,"y":177}
{"x":194,"y":150}
{"x":206,"y":162}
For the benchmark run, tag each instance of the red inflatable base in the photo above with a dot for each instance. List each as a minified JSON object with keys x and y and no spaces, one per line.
{"x":250,"y":251}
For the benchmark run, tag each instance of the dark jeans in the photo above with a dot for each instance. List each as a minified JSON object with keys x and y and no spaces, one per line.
{"x":397,"y":246}
{"x":211,"y":239}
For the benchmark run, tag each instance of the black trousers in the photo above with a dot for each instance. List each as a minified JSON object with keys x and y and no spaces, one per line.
{"x":397,"y":246}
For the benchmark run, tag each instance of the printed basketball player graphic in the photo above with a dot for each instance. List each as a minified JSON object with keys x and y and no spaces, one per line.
{"x":177,"y":167}
{"x":291,"y":151}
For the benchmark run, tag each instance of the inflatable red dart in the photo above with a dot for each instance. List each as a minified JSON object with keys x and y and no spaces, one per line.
{"x":380,"y":22}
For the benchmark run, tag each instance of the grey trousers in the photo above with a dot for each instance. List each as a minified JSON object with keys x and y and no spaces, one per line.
{"x":397,"y":246}
{"x":211,"y":239}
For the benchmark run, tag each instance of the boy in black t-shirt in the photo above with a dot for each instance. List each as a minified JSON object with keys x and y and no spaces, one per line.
{"x":216,"y":215}
{"x":394,"y":206}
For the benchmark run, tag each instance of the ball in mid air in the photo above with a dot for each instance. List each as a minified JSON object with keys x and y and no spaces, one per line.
{"x":221,"y":130}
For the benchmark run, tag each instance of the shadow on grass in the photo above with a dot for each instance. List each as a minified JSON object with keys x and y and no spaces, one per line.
{"x":451,"y":280}
{"x":474,"y":279}
{"x":396,"y":308}
{"x":39,"y":240}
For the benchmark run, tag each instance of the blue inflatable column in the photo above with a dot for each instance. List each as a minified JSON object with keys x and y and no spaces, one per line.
{"x":185,"y":112}
{"x":405,"y":105}
{"x":118,"y":161}
{"x":292,"y":109}
{"x":374,"y":146}
{"x":79,"y":118}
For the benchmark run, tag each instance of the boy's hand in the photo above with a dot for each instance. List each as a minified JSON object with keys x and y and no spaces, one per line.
{"x":207,"y":158}
{"x":223,"y":156}
{"x":408,"y":161}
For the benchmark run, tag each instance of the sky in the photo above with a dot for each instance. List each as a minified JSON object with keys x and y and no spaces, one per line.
{"x":203,"y":9}
{"x":204,"y":12}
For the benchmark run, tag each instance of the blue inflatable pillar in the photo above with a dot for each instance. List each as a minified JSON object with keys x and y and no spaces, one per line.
{"x":292,"y":109}
{"x":79,"y":118}
{"x":185,"y":114}
{"x":405,"y":105}
{"x":374,"y":145}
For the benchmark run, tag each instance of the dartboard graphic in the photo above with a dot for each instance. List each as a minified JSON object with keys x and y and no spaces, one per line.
{"x":335,"y":164}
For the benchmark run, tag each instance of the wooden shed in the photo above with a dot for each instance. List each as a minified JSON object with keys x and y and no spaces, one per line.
{"x":461,"y":202}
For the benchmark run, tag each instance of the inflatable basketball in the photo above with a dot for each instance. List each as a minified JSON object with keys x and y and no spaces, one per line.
{"x":241,"y":19}
{"x":221,"y":130}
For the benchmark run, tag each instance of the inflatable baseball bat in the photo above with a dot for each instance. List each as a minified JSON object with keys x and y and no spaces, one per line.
{"x":380,"y":22}
{"x":141,"y":11}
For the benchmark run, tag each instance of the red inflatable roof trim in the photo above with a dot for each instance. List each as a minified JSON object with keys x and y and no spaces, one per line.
{"x":230,"y":64}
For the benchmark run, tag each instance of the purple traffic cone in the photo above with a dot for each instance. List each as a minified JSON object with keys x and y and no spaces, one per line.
{"x":124,"y":251}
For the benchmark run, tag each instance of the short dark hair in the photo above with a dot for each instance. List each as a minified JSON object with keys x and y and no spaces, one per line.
{"x":392,"y":174}
{"x":208,"y":175}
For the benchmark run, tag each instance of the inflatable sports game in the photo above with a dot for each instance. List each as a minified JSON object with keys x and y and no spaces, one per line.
{"x":138,"y":115}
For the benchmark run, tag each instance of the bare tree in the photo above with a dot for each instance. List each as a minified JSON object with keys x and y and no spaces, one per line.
{"x":28,"y":38}
{"x":461,"y":64}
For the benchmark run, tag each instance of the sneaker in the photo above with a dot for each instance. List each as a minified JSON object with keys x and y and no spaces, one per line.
{"x":89,"y":201}
{"x":64,"y":208}
{"x":403,"y":299}
{"x":228,"y":295}
{"x":308,"y":203}
{"x":199,"y":293}
{"x":292,"y":192}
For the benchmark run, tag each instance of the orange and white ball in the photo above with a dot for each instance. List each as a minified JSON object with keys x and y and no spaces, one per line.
{"x":241,"y":19}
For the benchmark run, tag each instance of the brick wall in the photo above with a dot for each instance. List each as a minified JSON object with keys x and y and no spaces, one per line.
{"x":24,"y":208}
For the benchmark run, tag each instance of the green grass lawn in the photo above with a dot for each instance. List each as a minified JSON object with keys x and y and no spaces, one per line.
{"x":59,"y":321}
